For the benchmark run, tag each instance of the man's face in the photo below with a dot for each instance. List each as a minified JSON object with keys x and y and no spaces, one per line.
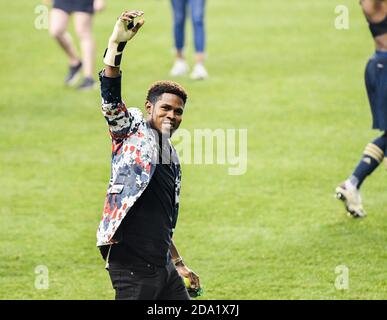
{"x":166,"y":114}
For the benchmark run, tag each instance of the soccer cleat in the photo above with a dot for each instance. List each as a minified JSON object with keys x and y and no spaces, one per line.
{"x":73,"y":74}
{"x":88,"y":83}
{"x":199,"y":72}
{"x":180,"y":68}
{"x":351,"y":198}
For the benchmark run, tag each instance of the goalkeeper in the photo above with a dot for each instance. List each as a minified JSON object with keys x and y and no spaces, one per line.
{"x":142,"y":200}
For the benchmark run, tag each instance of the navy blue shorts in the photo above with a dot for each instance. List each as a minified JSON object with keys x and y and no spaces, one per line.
{"x":71,"y":6}
{"x":376,"y":84}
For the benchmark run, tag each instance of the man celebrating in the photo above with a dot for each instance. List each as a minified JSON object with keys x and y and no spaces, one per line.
{"x":142,"y":201}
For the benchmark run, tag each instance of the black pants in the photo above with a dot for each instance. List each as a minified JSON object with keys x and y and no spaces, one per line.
{"x":142,"y":281}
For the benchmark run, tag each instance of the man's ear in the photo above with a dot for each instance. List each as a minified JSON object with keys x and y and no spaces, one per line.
{"x":148,"y":107}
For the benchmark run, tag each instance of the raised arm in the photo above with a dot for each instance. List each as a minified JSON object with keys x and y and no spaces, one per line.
{"x":113,"y":109}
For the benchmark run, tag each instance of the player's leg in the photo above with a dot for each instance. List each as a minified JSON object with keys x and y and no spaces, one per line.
{"x":179,"y":8}
{"x":58,"y":30}
{"x":83,"y":28}
{"x":197,"y":17}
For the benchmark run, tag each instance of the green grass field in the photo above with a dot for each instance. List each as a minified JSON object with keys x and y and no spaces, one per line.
{"x":277,"y":68}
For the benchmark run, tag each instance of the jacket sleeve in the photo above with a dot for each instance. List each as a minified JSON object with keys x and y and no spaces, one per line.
{"x":114,"y":110}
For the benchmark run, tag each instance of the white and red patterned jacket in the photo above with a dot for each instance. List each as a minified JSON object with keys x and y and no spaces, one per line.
{"x":134,"y":159}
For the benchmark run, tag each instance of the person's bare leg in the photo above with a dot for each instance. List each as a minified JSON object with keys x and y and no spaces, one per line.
{"x":83,"y":28}
{"x":58,"y":30}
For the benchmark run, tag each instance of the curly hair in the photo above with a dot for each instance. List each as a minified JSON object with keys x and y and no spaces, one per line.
{"x":165,"y":86}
